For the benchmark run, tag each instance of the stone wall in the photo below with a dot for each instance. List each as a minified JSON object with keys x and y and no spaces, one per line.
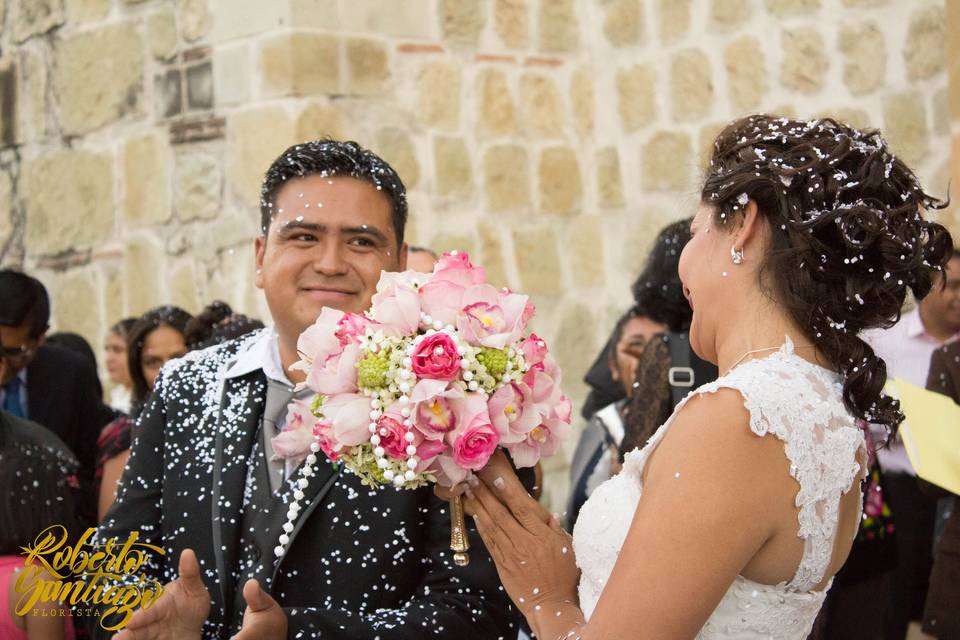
{"x":550,"y":138}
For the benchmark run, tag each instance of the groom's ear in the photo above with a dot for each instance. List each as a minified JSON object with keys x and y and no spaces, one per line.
{"x":402,"y":257}
{"x":259,"y":247}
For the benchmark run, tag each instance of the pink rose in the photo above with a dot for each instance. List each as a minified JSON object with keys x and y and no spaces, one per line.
{"x":455,"y":266}
{"x":323,"y":433}
{"x":351,"y":327}
{"x":397,"y":301}
{"x":442,"y":300}
{"x":392,"y":434}
{"x":428,"y":451}
{"x":349,"y":415}
{"x":475,"y":445}
{"x":338,"y":374}
{"x":436,"y":357}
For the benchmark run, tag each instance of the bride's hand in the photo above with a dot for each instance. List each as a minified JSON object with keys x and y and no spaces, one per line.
{"x":533,"y":554}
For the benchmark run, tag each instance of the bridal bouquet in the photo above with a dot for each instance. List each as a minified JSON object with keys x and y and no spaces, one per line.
{"x":426,"y":385}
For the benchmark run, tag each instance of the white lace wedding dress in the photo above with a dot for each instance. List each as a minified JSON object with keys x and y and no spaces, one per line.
{"x":797,"y":402}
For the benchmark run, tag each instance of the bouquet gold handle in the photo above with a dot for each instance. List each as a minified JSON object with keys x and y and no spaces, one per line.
{"x":459,"y":542}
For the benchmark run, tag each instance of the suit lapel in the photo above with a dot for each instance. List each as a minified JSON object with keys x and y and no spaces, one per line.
{"x":324,"y":476}
{"x":238,"y":422}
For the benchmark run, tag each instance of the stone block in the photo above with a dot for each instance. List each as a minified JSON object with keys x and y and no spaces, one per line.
{"x":162,"y":34}
{"x":541,"y":106}
{"x":183,"y":286}
{"x":232,"y":20}
{"x":368,"y":67}
{"x":75,"y":304}
{"x":804,"y":60}
{"x":561,"y":189}
{"x":924,"y":52}
{"x":585,"y":251}
{"x":691,"y":85}
{"x":510,"y":18}
{"x":905,"y":125}
{"x":792,"y":7}
{"x":256,"y":137}
{"x":941,"y":112}
{"x":113,"y":298}
{"x":168,"y":94}
{"x":725,"y":14}
{"x":866,"y":3}
{"x":443,"y":242}
{"x":410,"y":19}
{"x":705,"y":138}
{"x":498,"y":116}
{"x":196,"y":19}
{"x":636,"y":90}
{"x":674,"y":19}
{"x":865,"y":53}
{"x":558,"y":26}
{"x":609,"y":178}
{"x":146,"y":172}
{"x":99,"y":77}
{"x":231,"y":75}
{"x":299,"y":63}
{"x":451,"y":158}
{"x":326,"y":14}
{"x":506,"y":178}
{"x":33,"y":17}
{"x":462,"y":21}
{"x":623,"y":23}
{"x":78,"y":182}
{"x":33,"y":111}
{"x":856,"y":118}
{"x":439,"y":95}
{"x":144,"y":263}
{"x":538,"y":261}
{"x":318,"y":120}
{"x":746,"y":73}
{"x":87,"y":10}
{"x":197,"y":186}
{"x":581,"y":97}
{"x":491,"y":253}
{"x":200,"y":86}
{"x":666,"y":161}
{"x":395,"y":146}
{"x":576,"y":343}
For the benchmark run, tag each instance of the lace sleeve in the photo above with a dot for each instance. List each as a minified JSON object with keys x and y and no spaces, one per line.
{"x":649,"y":404}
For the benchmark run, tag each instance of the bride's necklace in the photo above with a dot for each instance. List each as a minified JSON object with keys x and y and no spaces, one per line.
{"x":753,"y":351}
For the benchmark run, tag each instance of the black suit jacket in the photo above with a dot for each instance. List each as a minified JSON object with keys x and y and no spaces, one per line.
{"x":63,"y":395}
{"x":361,"y":563}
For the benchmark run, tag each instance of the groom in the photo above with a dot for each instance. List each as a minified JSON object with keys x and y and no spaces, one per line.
{"x":203,"y":476}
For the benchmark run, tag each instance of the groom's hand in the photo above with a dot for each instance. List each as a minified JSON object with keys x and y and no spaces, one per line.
{"x":179,"y":613}
{"x":263,"y":619}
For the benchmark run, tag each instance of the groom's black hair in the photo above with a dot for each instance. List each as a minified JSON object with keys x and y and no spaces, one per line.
{"x":329,"y":158}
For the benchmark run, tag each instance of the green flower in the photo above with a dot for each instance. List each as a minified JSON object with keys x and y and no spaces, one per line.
{"x":372,"y":370}
{"x":494,"y":360}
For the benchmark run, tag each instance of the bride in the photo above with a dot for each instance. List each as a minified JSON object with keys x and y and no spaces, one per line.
{"x":808,"y":233}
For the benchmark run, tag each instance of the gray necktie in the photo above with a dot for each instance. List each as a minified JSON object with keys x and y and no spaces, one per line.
{"x":275,"y":410}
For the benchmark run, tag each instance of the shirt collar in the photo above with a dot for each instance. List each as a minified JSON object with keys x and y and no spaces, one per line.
{"x":262,"y":353}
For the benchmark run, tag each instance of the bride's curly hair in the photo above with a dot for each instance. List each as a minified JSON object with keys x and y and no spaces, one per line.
{"x":848,"y":236}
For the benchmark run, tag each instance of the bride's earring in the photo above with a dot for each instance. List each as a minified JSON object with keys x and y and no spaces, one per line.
{"x":736,"y":255}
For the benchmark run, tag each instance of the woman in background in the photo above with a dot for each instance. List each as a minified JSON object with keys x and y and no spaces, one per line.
{"x":115,"y":351}
{"x":158,"y":336}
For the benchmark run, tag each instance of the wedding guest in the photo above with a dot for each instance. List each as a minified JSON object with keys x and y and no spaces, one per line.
{"x":941,"y":617}
{"x":359,"y":563}
{"x":115,"y":360}
{"x":155,"y":338}
{"x":216,"y":324}
{"x":907,"y":348}
{"x":36,"y":496}
{"x":659,"y":306}
{"x":421,"y":259}
{"x":47,"y":384}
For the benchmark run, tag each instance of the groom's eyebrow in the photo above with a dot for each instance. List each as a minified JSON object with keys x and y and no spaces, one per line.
{"x":365,"y":230}
{"x":314,"y":227}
